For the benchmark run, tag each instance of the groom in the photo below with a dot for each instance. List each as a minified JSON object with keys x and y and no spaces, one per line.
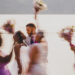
{"x":31,"y":31}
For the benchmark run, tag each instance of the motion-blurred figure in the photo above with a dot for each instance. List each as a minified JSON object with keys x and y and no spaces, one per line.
{"x":31,"y":31}
{"x":21,"y":54}
{"x":38,"y":56}
{"x":4,"y":60}
{"x":67,"y":34}
{"x":4,"y":48}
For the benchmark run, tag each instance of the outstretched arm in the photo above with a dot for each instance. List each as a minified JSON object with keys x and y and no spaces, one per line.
{"x":72,"y":46}
{"x":6,"y":59}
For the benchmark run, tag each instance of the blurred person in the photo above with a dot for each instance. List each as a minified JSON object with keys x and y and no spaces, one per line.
{"x":6,"y":36}
{"x":67,"y":34}
{"x":4,"y":60}
{"x":36,"y":38}
{"x":5,"y":50}
{"x":38,"y":56}
{"x":31,"y":31}
{"x":20,"y":52}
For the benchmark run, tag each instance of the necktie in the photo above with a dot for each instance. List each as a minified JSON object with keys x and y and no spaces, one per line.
{"x":32,"y":41}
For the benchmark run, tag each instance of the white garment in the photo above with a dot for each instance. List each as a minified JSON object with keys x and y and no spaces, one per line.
{"x":37,"y":69}
{"x":28,"y":40}
{"x":40,"y":67}
{"x":24,"y":58}
{"x":13,"y":66}
{"x":42,"y":47}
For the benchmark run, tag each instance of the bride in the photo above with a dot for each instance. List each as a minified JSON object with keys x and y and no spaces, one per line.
{"x":38,"y":56}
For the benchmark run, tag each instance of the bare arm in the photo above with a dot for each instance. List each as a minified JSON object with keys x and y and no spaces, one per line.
{"x":6,"y":59}
{"x":72,"y":46}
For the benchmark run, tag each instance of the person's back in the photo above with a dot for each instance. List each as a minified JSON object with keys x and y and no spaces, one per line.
{"x":35,"y":66}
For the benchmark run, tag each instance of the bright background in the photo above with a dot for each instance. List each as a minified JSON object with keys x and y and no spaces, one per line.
{"x":60,"y":57}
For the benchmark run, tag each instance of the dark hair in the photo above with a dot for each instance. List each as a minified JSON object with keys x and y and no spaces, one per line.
{"x":41,"y":33}
{"x":19,"y":36}
{"x":31,"y":25}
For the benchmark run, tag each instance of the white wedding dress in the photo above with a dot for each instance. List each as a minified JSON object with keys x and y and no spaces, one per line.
{"x":40,"y":67}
